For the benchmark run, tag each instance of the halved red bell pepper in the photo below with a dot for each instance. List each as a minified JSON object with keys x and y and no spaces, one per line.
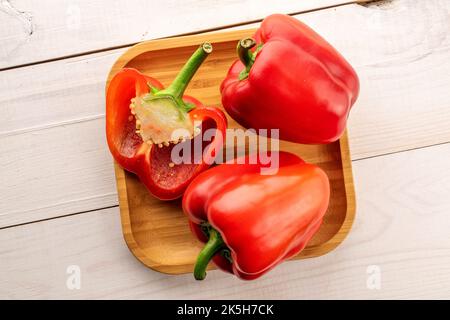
{"x":289,"y":78}
{"x":252,"y":222}
{"x":141,"y":118}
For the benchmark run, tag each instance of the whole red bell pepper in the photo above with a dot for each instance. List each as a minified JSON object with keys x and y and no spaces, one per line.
{"x":292,"y":80}
{"x":252,"y":222}
{"x":142,"y":117}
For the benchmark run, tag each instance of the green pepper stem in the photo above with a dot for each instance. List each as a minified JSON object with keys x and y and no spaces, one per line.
{"x":214,"y":244}
{"x":246,"y":55}
{"x":179,"y":85}
{"x":243,"y":51}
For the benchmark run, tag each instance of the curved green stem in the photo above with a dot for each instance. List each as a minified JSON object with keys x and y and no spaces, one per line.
{"x":214,"y":245}
{"x":246,"y":55}
{"x":179,"y":85}
{"x":243,"y":50}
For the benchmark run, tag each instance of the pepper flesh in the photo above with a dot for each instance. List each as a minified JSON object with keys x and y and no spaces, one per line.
{"x":252,"y":222}
{"x":293,"y":80}
{"x":152,"y":162}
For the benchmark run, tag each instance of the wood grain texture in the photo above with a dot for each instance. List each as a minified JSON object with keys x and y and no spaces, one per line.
{"x":33,"y":31}
{"x":55,"y":151}
{"x":152,"y":227}
{"x":401,"y":226}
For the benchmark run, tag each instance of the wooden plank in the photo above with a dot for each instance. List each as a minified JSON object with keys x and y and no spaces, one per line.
{"x":53,"y":112}
{"x":73,"y":176}
{"x":405,"y":74}
{"x":401,"y":226}
{"x":33,"y":31}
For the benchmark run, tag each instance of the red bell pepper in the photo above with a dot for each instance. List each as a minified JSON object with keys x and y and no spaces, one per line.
{"x":292,"y":80}
{"x":252,"y":222}
{"x":141,"y":118}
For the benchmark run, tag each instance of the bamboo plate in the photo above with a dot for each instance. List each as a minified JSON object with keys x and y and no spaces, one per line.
{"x":157,"y":232}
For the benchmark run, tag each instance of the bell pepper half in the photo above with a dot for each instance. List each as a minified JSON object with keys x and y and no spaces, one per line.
{"x":289,"y":78}
{"x":142,"y":122}
{"x":251,"y":222}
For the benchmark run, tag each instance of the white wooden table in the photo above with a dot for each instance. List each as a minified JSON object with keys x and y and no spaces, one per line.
{"x":58,"y":202}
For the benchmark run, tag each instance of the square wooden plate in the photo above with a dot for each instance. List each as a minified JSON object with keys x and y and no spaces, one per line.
{"x":157,"y":232}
